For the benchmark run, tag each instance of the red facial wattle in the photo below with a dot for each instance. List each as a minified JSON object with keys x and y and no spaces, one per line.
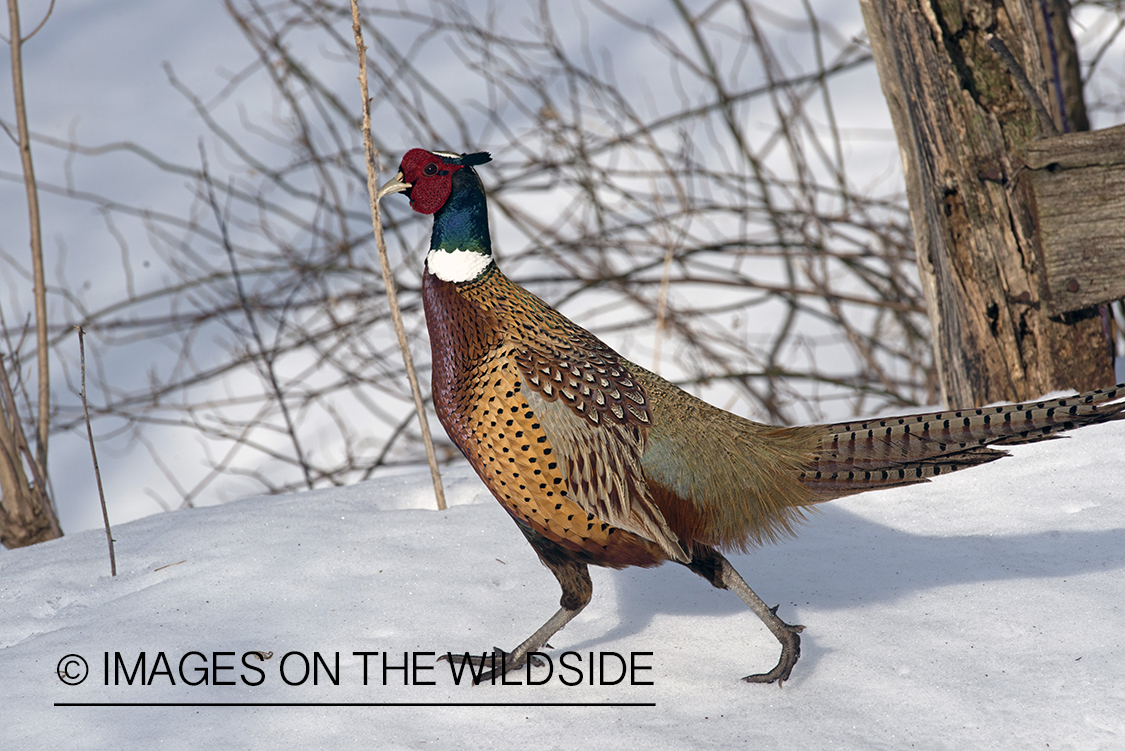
{"x":430,"y":178}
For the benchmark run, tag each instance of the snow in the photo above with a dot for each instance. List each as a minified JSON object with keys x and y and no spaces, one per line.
{"x":983,"y":610}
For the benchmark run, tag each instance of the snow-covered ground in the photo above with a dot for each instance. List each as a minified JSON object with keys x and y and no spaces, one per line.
{"x":983,"y":610}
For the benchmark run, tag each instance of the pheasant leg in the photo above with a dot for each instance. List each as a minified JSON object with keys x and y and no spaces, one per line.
{"x":506,"y":662}
{"x":577,"y":589}
{"x":712,"y":566}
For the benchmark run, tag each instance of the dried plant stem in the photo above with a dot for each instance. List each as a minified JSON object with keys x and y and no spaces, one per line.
{"x":384,"y":263}
{"x":93,"y":452}
{"x":15,"y":42}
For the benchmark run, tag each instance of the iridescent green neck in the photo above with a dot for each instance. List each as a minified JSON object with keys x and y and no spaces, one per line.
{"x":462,"y":223}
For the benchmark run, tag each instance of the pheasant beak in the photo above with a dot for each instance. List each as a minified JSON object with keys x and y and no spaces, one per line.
{"x":395,"y":185}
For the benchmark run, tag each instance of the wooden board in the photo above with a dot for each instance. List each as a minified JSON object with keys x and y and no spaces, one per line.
{"x":1078,"y":180}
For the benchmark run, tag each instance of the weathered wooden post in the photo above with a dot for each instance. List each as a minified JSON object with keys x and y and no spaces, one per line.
{"x":977,"y":182}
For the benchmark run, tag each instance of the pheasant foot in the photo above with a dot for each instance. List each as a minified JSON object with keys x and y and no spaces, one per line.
{"x":499,"y":661}
{"x":790,"y":638}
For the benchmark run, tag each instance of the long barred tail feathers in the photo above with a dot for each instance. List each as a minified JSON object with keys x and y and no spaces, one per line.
{"x":854,"y":457}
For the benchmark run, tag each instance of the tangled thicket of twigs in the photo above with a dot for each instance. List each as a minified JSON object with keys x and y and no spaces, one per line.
{"x":699,"y":212}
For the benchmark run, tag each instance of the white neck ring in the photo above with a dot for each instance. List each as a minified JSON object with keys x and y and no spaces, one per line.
{"x":456,"y":265}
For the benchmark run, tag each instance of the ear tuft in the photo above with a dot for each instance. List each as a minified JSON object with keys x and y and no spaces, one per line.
{"x":472,"y":160}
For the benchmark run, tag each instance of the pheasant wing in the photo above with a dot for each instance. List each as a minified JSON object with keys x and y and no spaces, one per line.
{"x":596,"y":416}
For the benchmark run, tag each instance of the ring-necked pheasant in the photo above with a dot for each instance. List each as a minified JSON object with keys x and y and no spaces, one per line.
{"x":600,"y":461}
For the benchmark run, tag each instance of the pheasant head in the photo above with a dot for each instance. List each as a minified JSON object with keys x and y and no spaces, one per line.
{"x":446,"y":186}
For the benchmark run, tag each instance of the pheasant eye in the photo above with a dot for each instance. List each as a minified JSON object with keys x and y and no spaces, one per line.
{"x":430,"y":169}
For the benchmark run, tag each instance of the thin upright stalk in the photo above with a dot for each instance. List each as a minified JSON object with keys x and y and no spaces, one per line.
{"x":39,"y":278}
{"x":94,"y":453}
{"x":385,"y":265}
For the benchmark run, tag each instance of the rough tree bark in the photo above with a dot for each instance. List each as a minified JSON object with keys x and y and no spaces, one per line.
{"x":961,"y":120}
